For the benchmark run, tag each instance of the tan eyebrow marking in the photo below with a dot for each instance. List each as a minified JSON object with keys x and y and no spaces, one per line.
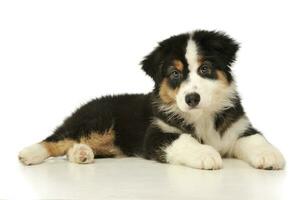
{"x":178,"y":64}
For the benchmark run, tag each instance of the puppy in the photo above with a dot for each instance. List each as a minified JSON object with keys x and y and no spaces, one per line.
{"x":193,"y":116}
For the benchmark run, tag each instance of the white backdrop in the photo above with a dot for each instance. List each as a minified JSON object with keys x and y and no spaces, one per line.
{"x":57,"y":55}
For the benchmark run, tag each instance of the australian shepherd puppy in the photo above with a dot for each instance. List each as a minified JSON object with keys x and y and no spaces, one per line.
{"x":193,"y":116}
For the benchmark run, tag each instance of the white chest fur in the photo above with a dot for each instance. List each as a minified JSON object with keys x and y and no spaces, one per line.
{"x":205,"y":130}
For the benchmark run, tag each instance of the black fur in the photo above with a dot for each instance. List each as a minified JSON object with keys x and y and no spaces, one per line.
{"x":156,"y":63}
{"x":224,"y":119}
{"x":218,"y":48}
{"x":250,"y":131}
{"x":171,"y":118}
{"x":155,"y":141}
{"x":129,"y":115}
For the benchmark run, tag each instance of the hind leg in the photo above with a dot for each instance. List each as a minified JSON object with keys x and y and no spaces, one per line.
{"x":81,"y":151}
{"x":81,"y":154}
{"x":100,"y":144}
{"x":37,"y":153}
{"x":33,"y":154}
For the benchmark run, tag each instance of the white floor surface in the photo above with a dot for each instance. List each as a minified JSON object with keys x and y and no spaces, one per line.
{"x":135,"y":178}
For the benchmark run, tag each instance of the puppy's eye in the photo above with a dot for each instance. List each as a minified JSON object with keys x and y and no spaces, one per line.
{"x":175,"y":75}
{"x":204,"y":68}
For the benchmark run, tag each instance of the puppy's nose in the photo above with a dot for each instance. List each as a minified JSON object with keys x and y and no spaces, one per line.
{"x":192,"y":99}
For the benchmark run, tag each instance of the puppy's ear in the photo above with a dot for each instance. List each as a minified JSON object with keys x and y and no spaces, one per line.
{"x":152,"y":63}
{"x":218,"y":44}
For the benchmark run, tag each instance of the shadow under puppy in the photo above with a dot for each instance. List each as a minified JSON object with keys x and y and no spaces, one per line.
{"x":193,"y":116}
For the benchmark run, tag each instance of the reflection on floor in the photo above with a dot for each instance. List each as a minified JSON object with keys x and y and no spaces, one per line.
{"x":134,"y":178}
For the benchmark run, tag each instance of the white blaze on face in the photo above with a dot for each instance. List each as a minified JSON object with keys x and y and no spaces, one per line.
{"x":212,"y":92}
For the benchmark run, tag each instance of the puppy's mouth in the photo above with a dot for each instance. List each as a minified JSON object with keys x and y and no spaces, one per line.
{"x":188,"y":109}
{"x":194,"y":108}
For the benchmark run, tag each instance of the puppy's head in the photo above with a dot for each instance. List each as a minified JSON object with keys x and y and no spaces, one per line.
{"x":192,"y":71}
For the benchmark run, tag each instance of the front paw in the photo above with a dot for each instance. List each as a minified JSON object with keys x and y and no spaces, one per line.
{"x":207,"y":158}
{"x":268,"y":158}
{"x":189,"y":152}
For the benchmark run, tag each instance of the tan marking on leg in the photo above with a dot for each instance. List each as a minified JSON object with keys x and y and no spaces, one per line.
{"x":178,"y":64}
{"x":167,"y":94}
{"x":222,"y":77}
{"x":102,"y":143}
{"x":59,"y":148}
